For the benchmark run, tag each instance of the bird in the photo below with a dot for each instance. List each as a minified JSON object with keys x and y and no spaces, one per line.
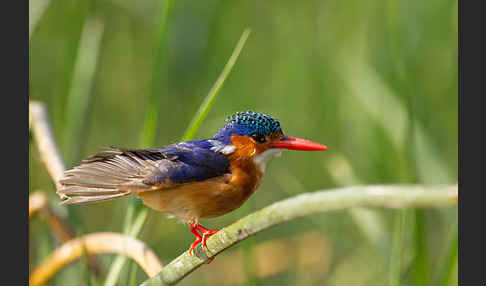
{"x":189,"y":180}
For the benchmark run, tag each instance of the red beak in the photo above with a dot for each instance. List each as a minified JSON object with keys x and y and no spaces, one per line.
{"x":292,"y":143}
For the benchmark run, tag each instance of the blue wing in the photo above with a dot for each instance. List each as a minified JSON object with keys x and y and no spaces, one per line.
{"x":190,"y":161}
{"x":118,"y":171}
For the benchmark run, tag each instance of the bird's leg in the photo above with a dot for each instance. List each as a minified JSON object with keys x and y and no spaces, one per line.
{"x":205,"y":232}
{"x":192,"y":228}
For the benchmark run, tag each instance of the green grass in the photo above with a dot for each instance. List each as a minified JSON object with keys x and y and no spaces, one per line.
{"x":135,"y":209}
{"x":148,"y":136}
{"x":208,"y":102}
{"x":81,"y":90}
{"x":157,"y":85}
{"x":421,"y":262}
{"x":375,"y":81}
{"x":397,"y":257}
{"x":450,"y":260}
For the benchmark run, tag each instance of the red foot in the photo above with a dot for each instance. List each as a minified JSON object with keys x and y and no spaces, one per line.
{"x":197,"y":241}
{"x":209,"y":261}
{"x":206,"y":233}
{"x":195,"y":228}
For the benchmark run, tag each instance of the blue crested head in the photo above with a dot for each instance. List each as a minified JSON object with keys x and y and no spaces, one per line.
{"x":248,"y":123}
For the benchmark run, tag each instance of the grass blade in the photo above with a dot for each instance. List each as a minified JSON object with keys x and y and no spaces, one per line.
{"x":450,"y":261}
{"x":85,"y":66}
{"x":397,"y":248}
{"x":152,"y":114}
{"x":36,"y":11}
{"x":79,"y":96}
{"x":148,"y":133}
{"x":209,"y":100}
{"x":420,"y":264}
{"x":117,"y":265}
{"x":146,"y":139}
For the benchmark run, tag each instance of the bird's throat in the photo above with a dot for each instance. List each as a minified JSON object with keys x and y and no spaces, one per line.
{"x":261,"y":159}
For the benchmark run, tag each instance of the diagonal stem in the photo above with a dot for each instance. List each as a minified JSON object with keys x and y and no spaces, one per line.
{"x":384,"y":196}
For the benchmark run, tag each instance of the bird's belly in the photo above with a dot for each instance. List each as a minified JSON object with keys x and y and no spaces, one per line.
{"x":191,"y":201}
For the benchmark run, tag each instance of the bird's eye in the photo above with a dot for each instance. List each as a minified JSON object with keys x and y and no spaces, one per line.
{"x":259,"y":138}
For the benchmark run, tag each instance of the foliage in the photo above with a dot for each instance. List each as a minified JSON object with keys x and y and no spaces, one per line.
{"x":375,"y":81}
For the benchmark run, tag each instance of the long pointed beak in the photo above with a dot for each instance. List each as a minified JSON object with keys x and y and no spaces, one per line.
{"x":293,"y":143}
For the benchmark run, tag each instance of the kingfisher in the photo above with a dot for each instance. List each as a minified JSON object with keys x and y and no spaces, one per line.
{"x":190,"y":180}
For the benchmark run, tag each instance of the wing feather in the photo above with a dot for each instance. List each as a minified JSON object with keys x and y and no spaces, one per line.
{"x":118,"y":171}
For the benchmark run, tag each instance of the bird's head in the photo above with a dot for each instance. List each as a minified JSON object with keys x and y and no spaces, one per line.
{"x":250,"y":134}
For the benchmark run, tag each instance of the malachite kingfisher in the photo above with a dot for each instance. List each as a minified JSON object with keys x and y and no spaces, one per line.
{"x":190,"y":180}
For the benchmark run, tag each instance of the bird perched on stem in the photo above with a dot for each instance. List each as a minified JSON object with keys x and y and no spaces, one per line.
{"x":190,"y":180}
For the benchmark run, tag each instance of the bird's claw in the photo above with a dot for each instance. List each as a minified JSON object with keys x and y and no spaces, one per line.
{"x":209,"y":261}
{"x":207,"y":234}
{"x":195,"y":229}
{"x":193,"y":245}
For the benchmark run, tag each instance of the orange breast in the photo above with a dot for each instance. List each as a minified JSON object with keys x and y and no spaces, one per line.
{"x":209,"y":198}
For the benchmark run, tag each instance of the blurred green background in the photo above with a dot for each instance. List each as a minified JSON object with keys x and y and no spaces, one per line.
{"x":375,"y":81}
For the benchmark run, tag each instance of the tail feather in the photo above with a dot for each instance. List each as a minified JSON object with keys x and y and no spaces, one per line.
{"x":85,"y":191}
{"x":79,"y":200}
{"x":108,"y":174}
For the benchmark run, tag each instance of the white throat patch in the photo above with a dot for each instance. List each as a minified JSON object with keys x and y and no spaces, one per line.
{"x":261,"y":159}
{"x":220,"y":147}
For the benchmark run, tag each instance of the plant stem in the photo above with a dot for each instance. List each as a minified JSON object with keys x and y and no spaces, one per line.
{"x":211,"y":97}
{"x":450,"y":260}
{"x":81,"y":88}
{"x":397,"y":248}
{"x":385,"y":196}
{"x":157,"y":88}
{"x":120,"y":261}
{"x":420,"y":264}
{"x":148,"y":135}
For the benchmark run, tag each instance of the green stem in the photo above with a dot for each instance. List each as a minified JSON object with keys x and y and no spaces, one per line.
{"x":147,"y":137}
{"x":211,"y":97}
{"x":36,"y":11}
{"x":117,"y":265}
{"x":149,"y":130}
{"x":385,"y":196}
{"x":153,"y":104}
{"x":450,"y":260}
{"x":133,"y":273}
{"x":81,"y":88}
{"x":397,"y":248}
{"x":247,"y":249}
{"x":420,"y":265}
